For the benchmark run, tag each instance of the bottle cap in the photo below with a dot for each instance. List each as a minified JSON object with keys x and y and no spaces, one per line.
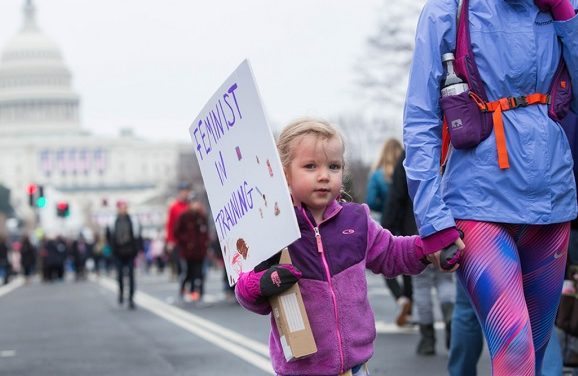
{"x":447,"y":57}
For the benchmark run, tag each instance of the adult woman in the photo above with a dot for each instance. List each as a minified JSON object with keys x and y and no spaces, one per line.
{"x":378,"y":198}
{"x":515,"y":219}
{"x":380,"y":177}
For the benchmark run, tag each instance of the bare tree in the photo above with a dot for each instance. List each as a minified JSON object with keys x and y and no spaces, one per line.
{"x":383,"y":69}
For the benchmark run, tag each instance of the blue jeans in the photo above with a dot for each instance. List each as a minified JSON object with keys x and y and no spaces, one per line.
{"x":552,"y":364}
{"x":467,"y":342}
{"x":467,"y":339}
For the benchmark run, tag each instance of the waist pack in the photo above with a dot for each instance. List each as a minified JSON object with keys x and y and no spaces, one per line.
{"x":475,"y":115}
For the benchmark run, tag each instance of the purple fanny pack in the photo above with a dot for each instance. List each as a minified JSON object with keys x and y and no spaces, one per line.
{"x":467,"y":124}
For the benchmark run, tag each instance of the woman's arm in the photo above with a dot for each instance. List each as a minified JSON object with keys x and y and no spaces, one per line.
{"x":435,"y":35}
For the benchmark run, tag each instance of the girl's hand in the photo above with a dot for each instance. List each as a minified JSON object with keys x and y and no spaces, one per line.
{"x":273,"y":277}
{"x":277,"y":279}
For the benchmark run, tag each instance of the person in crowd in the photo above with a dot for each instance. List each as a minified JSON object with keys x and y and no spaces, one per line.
{"x":124,"y":238}
{"x":191,"y":235}
{"x":217,"y":255}
{"x":27,"y":257}
{"x":147,"y":254}
{"x":54,"y":254}
{"x":157,"y":251}
{"x":97,"y":252}
{"x":338,"y":242}
{"x":378,"y":189}
{"x":80,"y":252}
{"x":5,"y":265}
{"x":570,"y":341}
{"x":513,"y":194}
{"x":398,"y":216}
{"x":380,"y":177}
{"x":109,"y":262}
{"x":176,"y":208}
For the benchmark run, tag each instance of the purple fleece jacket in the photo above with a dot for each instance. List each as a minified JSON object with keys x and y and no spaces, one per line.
{"x":334,"y":286}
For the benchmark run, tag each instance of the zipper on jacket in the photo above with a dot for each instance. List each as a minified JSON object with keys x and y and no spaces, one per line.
{"x":331,"y":290}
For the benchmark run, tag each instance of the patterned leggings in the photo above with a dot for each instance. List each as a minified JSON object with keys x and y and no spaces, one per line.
{"x":513,"y":275}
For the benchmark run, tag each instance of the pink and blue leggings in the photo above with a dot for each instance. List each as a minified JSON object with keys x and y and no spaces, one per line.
{"x":513,"y":275}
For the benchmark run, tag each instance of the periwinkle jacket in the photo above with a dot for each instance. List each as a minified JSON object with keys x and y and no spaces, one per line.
{"x":517,"y":48}
{"x":334,"y":287}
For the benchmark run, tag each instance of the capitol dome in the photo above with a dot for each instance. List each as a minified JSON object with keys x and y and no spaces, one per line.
{"x":36,"y":95}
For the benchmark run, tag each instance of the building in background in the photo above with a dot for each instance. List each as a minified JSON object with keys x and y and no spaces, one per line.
{"x":42,"y":142}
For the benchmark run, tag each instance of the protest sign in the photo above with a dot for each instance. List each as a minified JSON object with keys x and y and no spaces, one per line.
{"x":243,"y":176}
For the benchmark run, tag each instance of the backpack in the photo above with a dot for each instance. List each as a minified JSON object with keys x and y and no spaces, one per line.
{"x":123,"y":237}
{"x":489,"y":116}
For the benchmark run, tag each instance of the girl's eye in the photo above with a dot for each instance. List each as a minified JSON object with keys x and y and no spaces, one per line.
{"x":309,"y":166}
{"x":335,"y":166}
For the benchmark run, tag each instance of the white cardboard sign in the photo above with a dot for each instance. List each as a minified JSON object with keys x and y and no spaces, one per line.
{"x":243,"y":176}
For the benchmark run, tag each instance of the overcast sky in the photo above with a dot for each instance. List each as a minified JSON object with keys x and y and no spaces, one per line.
{"x":152,"y":64}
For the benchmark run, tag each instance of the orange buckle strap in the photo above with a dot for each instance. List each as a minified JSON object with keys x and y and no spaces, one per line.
{"x":503,"y":161}
{"x":505,"y":104}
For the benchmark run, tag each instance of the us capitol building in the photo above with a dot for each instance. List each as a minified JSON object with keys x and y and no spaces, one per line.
{"x":42,"y":142}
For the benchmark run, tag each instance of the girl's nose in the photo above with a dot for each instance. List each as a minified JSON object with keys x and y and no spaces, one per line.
{"x":323,"y":174}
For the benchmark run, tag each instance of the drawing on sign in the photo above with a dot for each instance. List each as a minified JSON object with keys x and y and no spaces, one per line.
{"x":277,"y":211}
{"x":242,"y":247}
{"x":270,"y":168}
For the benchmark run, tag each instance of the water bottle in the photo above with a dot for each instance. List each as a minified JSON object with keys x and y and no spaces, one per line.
{"x":452,"y":84}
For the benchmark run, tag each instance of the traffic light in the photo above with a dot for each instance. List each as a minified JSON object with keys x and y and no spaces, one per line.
{"x":32,"y":194}
{"x":62,"y":209}
{"x":40,"y":200}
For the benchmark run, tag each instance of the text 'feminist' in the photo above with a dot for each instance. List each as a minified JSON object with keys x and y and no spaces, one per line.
{"x":210,"y":129}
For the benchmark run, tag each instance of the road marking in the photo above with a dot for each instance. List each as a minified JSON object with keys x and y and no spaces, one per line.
{"x":247,"y":349}
{"x":389,"y":328}
{"x":17,"y":282}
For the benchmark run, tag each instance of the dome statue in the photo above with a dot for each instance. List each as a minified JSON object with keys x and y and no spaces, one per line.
{"x":36,"y":95}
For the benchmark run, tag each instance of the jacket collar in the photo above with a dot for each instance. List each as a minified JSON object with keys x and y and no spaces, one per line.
{"x":333,"y":208}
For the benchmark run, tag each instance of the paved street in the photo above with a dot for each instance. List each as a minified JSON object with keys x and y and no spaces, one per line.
{"x":77,"y":328}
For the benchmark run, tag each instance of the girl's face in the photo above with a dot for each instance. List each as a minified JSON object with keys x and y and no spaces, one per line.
{"x":315,"y":174}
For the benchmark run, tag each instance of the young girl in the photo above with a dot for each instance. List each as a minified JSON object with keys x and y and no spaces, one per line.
{"x":338,"y":242}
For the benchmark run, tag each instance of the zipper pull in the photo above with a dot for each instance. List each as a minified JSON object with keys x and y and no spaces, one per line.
{"x":318,"y":239}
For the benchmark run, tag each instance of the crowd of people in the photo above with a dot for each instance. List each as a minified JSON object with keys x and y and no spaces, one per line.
{"x":121,"y":247}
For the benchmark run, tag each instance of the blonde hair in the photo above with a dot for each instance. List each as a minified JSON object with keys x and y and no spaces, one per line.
{"x":301,"y":127}
{"x":390,"y":153}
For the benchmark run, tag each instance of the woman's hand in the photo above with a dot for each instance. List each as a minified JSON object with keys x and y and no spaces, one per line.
{"x":561,"y":9}
{"x":436,"y":257}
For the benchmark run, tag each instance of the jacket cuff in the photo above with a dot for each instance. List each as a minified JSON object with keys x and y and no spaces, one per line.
{"x":252,"y":289}
{"x":436,"y":242}
{"x":563,"y":11}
